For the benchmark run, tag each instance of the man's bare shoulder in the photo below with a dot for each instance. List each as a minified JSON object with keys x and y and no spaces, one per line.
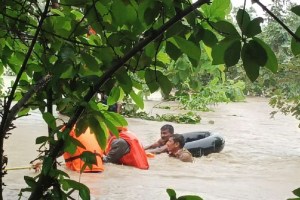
{"x":185,"y":156}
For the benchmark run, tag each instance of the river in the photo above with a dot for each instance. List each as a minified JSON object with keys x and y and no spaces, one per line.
{"x":260,"y":159}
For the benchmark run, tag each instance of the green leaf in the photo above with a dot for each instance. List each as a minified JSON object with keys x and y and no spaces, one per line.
{"x":189,"y":197}
{"x":218,"y":9}
{"x":99,"y":129}
{"x":242,"y":19}
{"x":88,"y":157}
{"x":81,"y":126}
{"x":117,"y":119}
{"x":219,"y":51}
{"x":30,"y":181}
{"x":226,"y":29}
{"x":123,"y":14}
{"x":90,"y":61}
{"x":272,"y":63}
{"x":57,"y":12}
{"x":150,"y":77}
{"x":209,"y":38}
{"x":254,"y":27}
{"x":50,"y":120}
{"x":295,"y":45}
{"x":172,"y":194}
{"x":41,"y":139}
{"x":164,"y":83}
{"x":23,"y":111}
{"x":173,"y":51}
{"x":137,"y":99}
{"x":114,"y":96}
{"x":296,"y":10}
{"x":297,"y":192}
{"x":84,"y":191}
{"x":111,"y":126}
{"x":232,"y":53}
{"x":124,"y":80}
{"x":253,"y":56}
{"x":189,"y":48}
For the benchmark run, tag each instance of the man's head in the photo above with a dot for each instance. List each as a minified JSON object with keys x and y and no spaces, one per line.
{"x":166,"y":131}
{"x":175,"y":143}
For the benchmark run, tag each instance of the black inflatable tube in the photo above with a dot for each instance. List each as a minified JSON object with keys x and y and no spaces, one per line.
{"x":203,"y":143}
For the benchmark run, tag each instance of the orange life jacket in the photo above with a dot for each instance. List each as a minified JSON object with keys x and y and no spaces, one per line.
{"x":136,"y":157}
{"x":88,"y":140}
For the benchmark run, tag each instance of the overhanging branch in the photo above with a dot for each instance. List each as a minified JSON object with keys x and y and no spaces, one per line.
{"x":277,"y":20}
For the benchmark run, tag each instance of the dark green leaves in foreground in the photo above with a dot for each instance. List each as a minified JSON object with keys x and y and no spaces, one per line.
{"x":295,"y":45}
{"x":172,"y":195}
{"x":297,"y":193}
{"x":253,"y":56}
{"x":156,"y":79}
{"x":253,"y":51}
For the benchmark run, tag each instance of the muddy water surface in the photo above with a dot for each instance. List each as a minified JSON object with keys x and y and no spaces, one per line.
{"x":260,"y":160}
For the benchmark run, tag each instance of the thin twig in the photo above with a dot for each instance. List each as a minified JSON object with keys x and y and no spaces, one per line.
{"x":277,"y":20}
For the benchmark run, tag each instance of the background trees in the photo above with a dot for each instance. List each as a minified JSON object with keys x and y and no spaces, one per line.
{"x":64,"y":53}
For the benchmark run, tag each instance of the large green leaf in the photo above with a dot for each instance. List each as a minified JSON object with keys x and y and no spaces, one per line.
{"x":124,"y":80}
{"x":151,"y":80}
{"x":84,"y":191}
{"x":123,"y":14}
{"x":173,"y":51}
{"x":218,"y":51}
{"x":295,"y":45}
{"x":272,"y":63}
{"x":50,"y":119}
{"x":232,"y":53}
{"x":254,"y":27}
{"x":189,"y":48}
{"x":296,"y":10}
{"x":164,"y":83}
{"x":254,"y":56}
{"x":172,"y":194}
{"x":218,"y":9}
{"x":114,"y":96}
{"x":209,"y":38}
{"x":90,"y":61}
{"x":242,"y":19}
{"x":137,"y":99}
{"x":226,"y":29}
{"x":297,"y":192}
{"x":99,"y":129}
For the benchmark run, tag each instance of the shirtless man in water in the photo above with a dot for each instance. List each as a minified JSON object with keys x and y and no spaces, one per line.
{"x":160,"y":146}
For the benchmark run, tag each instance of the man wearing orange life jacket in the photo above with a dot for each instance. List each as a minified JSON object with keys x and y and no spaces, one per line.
{"x":88,"y":140}
{"x":126,"y":150}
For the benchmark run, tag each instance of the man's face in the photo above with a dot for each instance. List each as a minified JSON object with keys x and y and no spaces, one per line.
{"x":165,"y":135}
{"x":171,"y":145}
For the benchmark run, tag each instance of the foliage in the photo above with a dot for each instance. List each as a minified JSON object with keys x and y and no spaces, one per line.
{"x":297,"y":193}
{"x":172,"y":195}
{"x":212,"y":94}
{"x":132,"y":111}
{"x":45,"y":43}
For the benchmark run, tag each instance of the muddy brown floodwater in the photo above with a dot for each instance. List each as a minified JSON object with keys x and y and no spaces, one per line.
{"x":260,"y":160}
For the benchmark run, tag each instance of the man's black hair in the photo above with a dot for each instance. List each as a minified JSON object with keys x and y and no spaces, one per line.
{"x":178,"y":138}
{"x":168,"y":127}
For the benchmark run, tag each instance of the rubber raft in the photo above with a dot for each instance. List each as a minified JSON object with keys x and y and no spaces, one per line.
{"x":202,"y":143}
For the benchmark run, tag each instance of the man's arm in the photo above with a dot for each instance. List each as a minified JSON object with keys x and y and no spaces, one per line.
{"x":159,"y":150}
{"x":157,"y":144}
{"x":119,"y":147}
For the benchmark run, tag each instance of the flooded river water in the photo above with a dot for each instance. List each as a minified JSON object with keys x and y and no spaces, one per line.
{"x":260,"y":160}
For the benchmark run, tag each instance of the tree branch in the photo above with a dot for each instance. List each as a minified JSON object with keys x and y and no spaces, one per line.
{"x":277,"y":20}
{"x":42,"y":183}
